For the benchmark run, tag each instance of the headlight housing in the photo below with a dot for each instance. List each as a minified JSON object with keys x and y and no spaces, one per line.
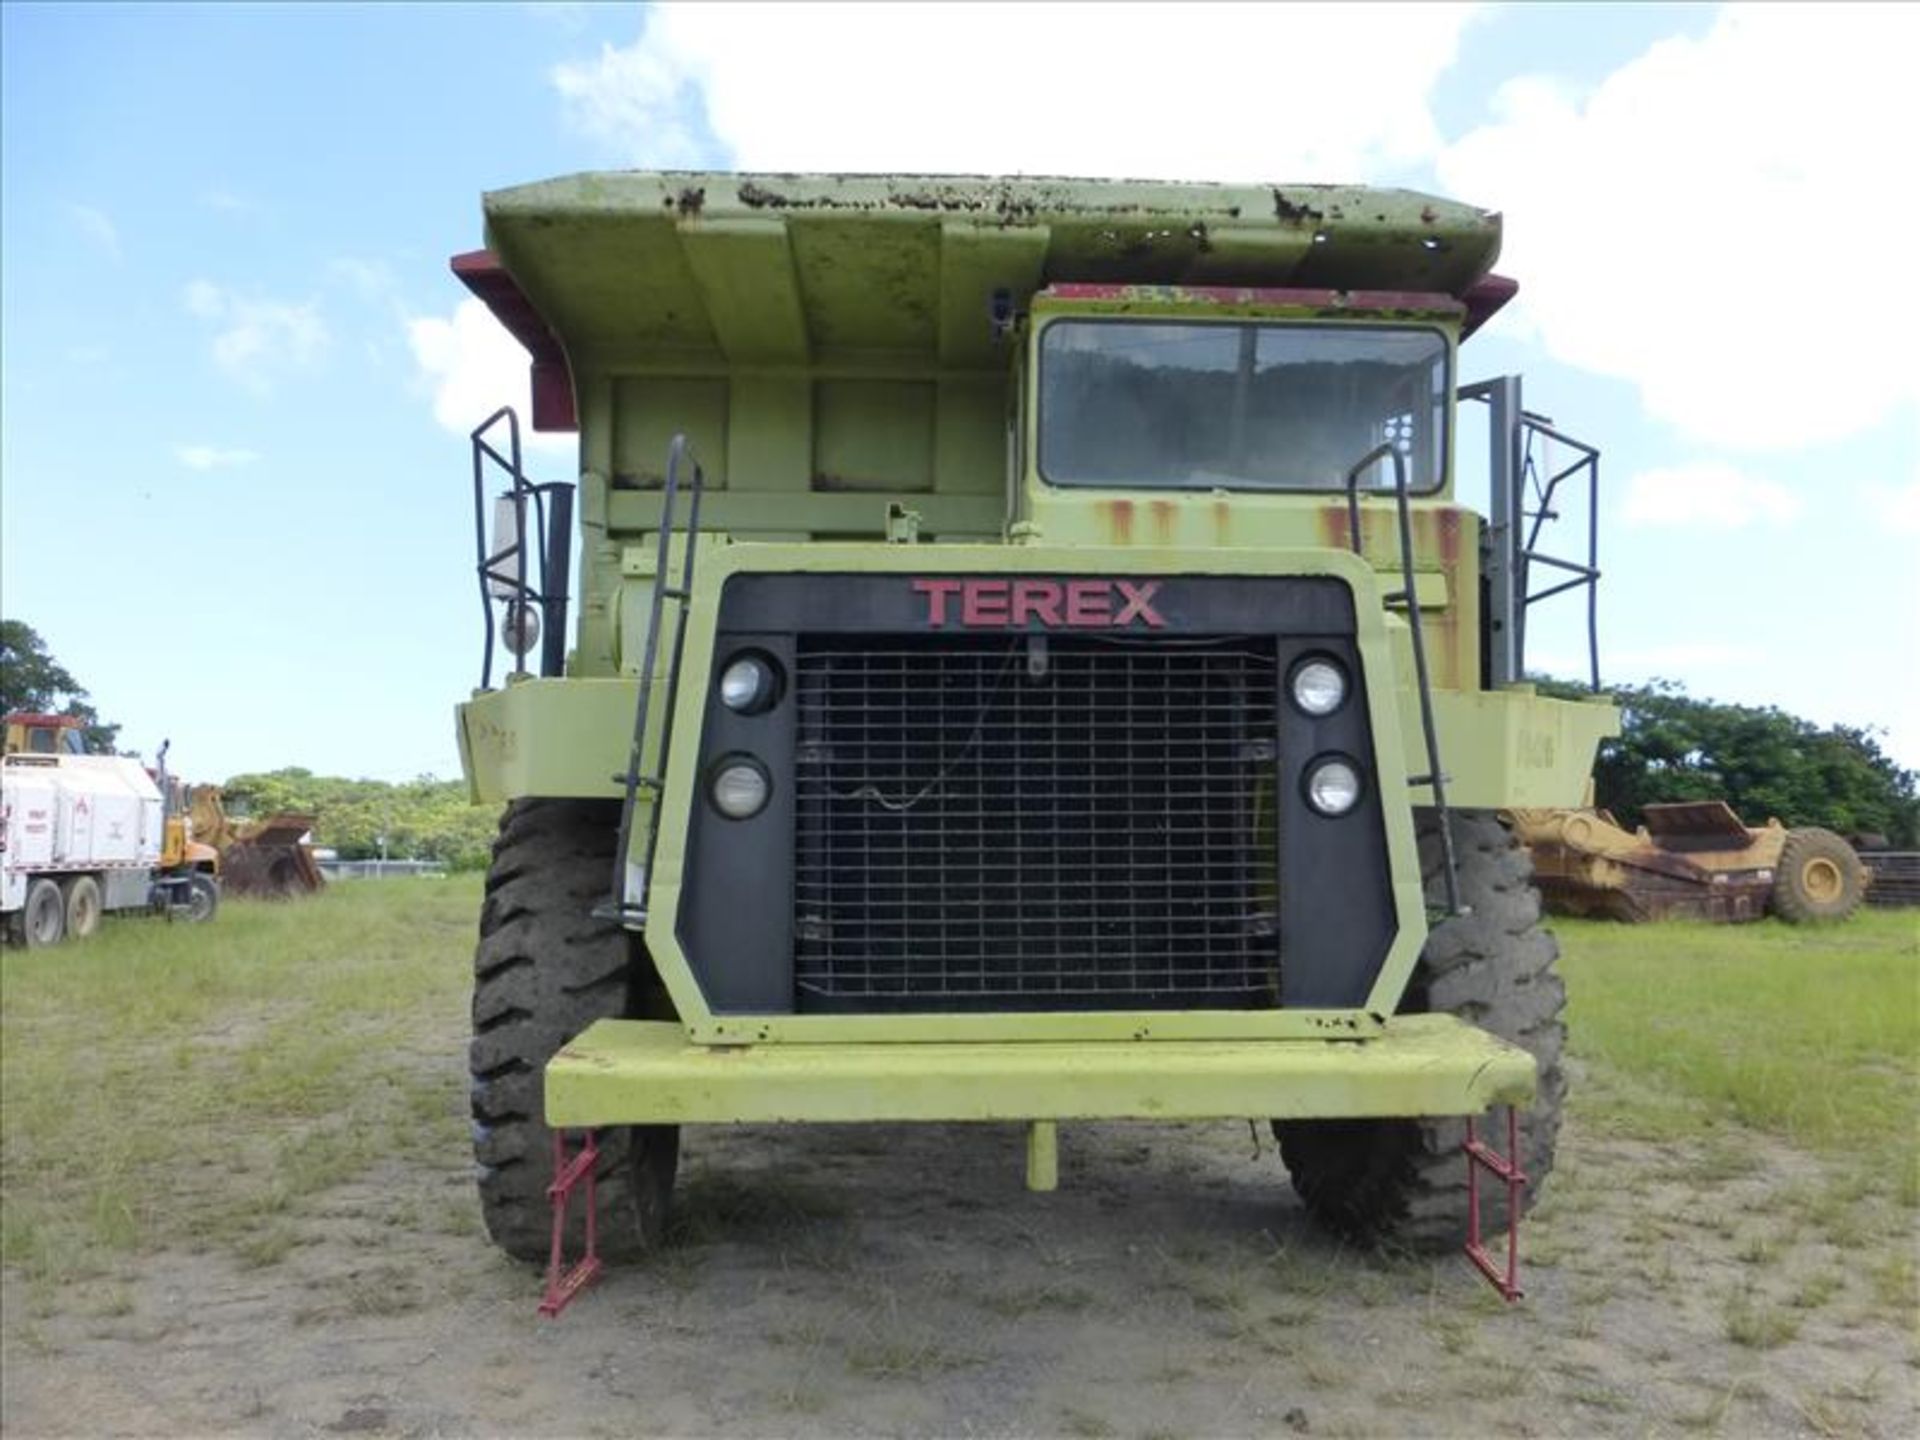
{"x":519,"y":627}
{"x":749,"y":684}
{"x":740,"y":787}
{"x":1318,"y":685}
{"x":1334,"y":785}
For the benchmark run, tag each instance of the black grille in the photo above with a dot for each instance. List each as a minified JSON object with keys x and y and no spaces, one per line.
{"x":1035,"y":823}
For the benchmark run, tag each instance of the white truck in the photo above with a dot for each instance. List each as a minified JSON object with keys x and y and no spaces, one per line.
{"x":82,"y":835}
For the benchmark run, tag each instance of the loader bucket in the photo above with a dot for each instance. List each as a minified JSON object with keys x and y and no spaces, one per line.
{"x":1692,"y":861}
{"x":269,"y":861}
{"x":1690,"y":826}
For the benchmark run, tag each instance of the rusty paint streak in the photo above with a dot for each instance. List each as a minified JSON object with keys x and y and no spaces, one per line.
{"x":1334,"y":532}
{"x":1164,"y":515}
{"x":1448,"y":522}
{"x":1118,"y":515}
{"x":1222,"y":523}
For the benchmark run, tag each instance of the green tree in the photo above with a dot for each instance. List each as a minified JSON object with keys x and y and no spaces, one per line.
{"x":33,"y":681}
{"x":421,"y":819}
{"x":1759,"y":759}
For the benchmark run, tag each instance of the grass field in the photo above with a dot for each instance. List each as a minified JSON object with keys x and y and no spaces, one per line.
{"x":234,"y":1195}
{"x":171,"y":1084}
{"x":1808,"y":1033}
{"x":180,"y":1084}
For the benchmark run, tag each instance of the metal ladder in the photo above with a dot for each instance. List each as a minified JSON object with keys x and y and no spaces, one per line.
{"x":628,"y":902}
{"x":1435,"y":778}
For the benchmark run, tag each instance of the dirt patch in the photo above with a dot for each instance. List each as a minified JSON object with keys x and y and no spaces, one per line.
{"x":899,"y":1280}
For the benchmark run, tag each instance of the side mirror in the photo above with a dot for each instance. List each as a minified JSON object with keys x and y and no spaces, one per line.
{"x":507,"y":560}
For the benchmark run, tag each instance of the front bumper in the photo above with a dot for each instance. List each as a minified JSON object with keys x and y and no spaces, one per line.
{"x":637,"y":1072}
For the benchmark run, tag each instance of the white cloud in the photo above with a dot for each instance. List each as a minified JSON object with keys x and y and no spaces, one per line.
{"x":474,"y":367}
{"x":1896,"y":507}
{"x":632,"y":101}
{"x":213,"y":457}
{"x":98,"y":227}
{"x":1715,"y":221}
{"x":1227,"y":92}
{"x":1709,"y":493}
{"x":257,"y":337}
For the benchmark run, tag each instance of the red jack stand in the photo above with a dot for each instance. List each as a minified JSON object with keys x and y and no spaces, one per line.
{"x":1506,"y":1169}
{"x":565,"y":1282}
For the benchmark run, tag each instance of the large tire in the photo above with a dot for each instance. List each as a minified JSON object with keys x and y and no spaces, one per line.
{"x":1402,"y":1184}
{"x":545,"y":969}
{"x":43,"y":915}
{"x":1818,"y":878}
{"x":203,"y":898}
{"x":84,"y":907}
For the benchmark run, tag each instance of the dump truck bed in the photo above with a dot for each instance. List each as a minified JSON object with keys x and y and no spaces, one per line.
{"x":782,"y":269}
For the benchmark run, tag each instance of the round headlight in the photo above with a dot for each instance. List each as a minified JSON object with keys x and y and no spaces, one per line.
{"x":1319,"y":687}
{"x":749,"y":685}
{"x":1333,"y":786}
{"x":740,"y":788}
{"x":519,"y":627}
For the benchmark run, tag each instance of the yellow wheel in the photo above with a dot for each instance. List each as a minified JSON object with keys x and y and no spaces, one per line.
{"x":1819,"y":878}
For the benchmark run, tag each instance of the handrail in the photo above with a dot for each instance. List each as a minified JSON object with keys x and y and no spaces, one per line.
{"x":552,"y":507}
{"x":1434,"y":779}
{"x":1587,"y":574}
{"x":1517,"y":521}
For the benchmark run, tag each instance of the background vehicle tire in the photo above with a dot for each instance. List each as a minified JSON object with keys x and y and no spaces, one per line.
{"x":1402,"y":1184}
{"x":1818,"y":878}
{"x":544,"y":970}
{"x":43,"y":917}
{"x":203,"y":899}
{"x":84,"y":907}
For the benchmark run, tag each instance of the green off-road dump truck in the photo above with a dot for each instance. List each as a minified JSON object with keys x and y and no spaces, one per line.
{"x":1029,"y":665}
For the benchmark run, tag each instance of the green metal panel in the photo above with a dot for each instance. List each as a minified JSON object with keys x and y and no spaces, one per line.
{"x":1511,"y":748}
{"x":627,"y":1072}
{"x":649,"y":411}
{"x":873,"y":435}
{"x":842,"y":515}
{"x":546,"y":738}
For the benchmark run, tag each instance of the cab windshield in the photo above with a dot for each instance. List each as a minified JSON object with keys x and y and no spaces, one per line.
{"x":1239,"y":406}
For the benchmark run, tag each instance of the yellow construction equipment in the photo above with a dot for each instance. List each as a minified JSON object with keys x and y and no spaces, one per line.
{"x":264,"y":858}
{"x":1692,"y":860}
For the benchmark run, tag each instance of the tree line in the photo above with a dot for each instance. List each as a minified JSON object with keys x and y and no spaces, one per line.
{"x":1761,"y":760}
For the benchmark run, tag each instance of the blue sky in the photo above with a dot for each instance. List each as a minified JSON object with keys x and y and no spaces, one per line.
{"x":233,"y":492}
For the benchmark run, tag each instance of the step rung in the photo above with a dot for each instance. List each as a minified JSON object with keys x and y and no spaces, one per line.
{"x":1500,"y":1166}
{"x":676,"y":592}
{"x":632,"y":916}
{"x":1428,"y":779}
{"x":572,"y":1172}
{"x":639,"y":782}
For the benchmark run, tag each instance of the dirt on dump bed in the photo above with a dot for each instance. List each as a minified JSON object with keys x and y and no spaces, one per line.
{"x":901,"y":1281}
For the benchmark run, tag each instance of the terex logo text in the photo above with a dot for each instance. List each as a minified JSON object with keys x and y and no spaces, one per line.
{"x":1056,"y":604}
